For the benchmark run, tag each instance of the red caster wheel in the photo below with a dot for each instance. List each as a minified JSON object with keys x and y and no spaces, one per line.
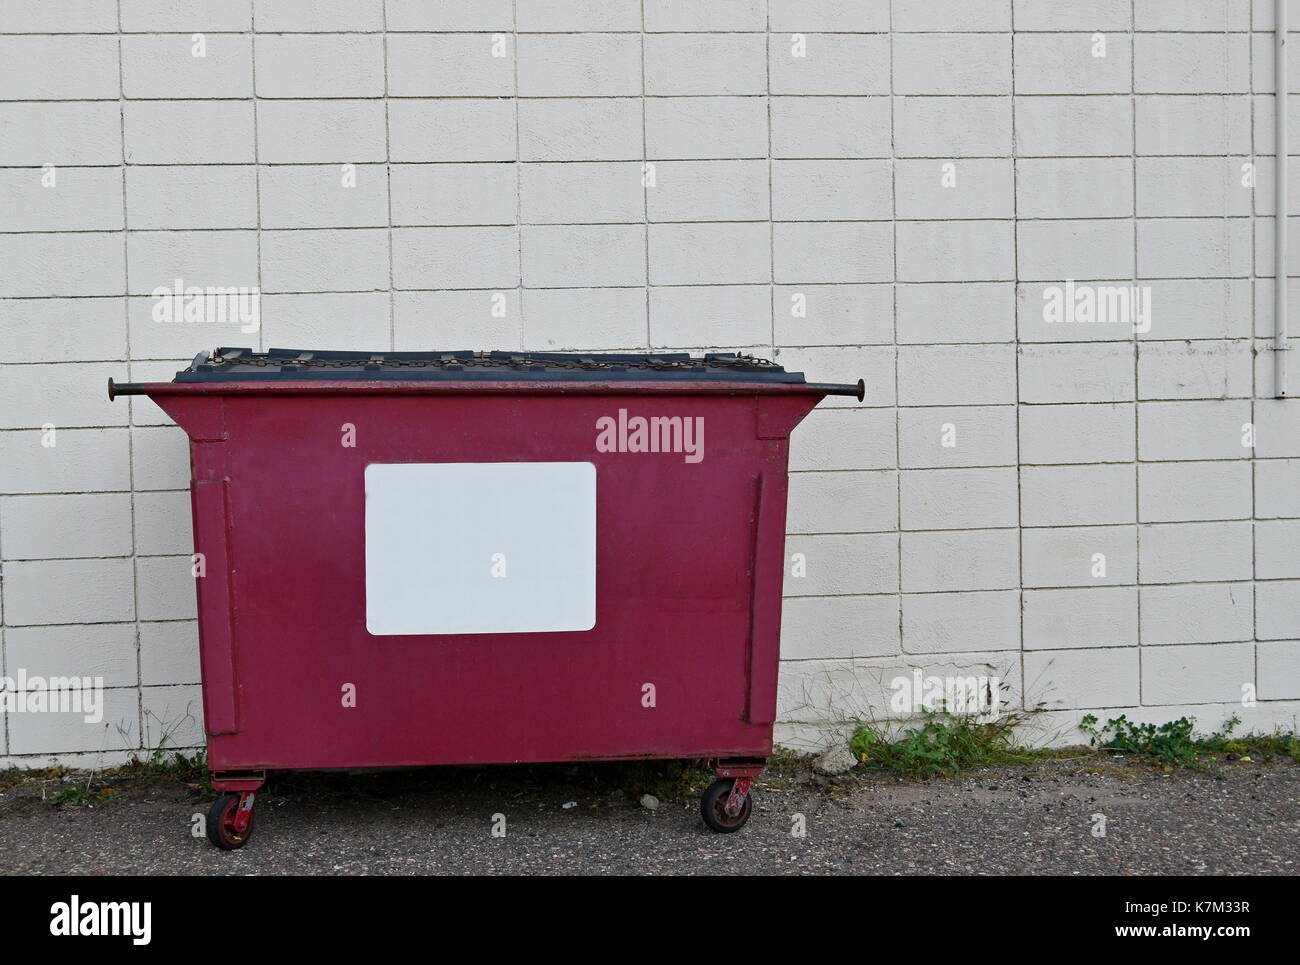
{"x":724,"y":811}
{"x":230,"y":820}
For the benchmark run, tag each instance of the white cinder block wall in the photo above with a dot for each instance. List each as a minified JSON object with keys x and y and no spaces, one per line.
{"x":858,"y":188}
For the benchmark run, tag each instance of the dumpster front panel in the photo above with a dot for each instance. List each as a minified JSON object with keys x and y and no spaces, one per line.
{"x":681,"y":660}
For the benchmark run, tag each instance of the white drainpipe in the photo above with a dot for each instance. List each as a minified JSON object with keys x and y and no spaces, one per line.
{"x":1281,"y":84}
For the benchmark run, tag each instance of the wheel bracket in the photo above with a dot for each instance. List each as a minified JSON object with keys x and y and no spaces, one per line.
{"x":736,"y":799}
{"x":244,"y":812}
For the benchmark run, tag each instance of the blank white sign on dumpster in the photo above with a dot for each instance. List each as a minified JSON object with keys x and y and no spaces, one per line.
{"x":480,"y":547}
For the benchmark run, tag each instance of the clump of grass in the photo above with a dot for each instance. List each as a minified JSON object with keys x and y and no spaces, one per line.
{"x":77,"y":794}
{"x":161,"y":764}
{"x":1175,"y":743}
{"x":943,"y":743}
{"x":165,"y":762}
{"x":73,"y":790}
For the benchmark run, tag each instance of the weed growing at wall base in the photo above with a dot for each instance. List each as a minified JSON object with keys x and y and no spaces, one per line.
{"x":943,"y":743}
{"x":1177,"y":743}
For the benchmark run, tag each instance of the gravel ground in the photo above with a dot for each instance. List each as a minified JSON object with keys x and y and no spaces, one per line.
{"x":1030,"y":820}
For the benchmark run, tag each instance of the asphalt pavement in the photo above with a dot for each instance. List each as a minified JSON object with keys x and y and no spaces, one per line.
{"x":1102,"y":816}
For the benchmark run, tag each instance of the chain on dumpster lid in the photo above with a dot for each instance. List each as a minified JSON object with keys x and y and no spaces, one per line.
{"x":499,"y":360}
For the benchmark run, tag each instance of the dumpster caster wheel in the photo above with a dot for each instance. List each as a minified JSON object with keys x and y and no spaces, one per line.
{"x":230,"y":820}
{"x":721,"y":810}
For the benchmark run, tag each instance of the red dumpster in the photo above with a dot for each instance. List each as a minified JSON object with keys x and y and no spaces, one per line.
{"x":474,"y":558}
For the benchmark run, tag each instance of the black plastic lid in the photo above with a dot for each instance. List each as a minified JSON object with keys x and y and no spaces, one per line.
{"x":279,"y":365}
